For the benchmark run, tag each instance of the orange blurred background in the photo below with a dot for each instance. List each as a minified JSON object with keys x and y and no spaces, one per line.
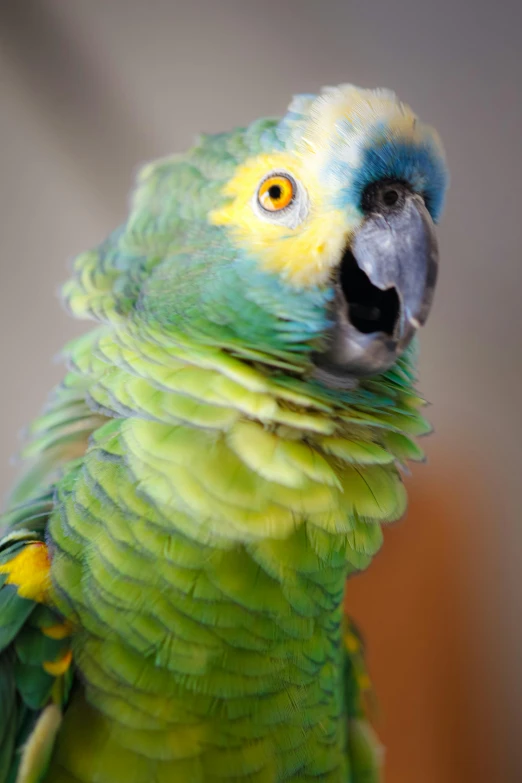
{"x":89,"y":91}
{"x":436,"y":663}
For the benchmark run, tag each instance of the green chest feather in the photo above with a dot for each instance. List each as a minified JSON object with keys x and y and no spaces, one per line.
{"x":201,"y":549}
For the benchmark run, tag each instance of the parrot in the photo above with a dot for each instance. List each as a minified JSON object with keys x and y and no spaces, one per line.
{"x":221,"y":456}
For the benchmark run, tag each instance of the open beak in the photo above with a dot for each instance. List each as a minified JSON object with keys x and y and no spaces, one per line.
{"x":384,"y":288}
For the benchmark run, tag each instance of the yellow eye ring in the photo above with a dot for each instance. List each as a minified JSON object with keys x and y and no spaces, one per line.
{"x":276,"y":192}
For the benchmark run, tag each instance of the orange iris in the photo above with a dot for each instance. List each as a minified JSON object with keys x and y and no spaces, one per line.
{"x":276,"y":192}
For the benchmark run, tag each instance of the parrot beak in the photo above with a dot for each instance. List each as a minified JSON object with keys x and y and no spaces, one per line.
{"x":384,"y":287}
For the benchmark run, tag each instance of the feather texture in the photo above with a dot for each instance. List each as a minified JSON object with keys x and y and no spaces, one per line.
{"x":178,"y":547}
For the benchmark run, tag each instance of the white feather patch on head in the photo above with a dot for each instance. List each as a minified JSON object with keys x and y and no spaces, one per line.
{"x":342,"y":120}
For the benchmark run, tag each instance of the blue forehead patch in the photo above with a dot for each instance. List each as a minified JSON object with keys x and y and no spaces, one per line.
{"x":418,"y":164}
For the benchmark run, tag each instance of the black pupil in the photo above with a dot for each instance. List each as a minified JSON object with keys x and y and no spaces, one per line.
{"x":390,"y":197}
{"x":274,"y":191}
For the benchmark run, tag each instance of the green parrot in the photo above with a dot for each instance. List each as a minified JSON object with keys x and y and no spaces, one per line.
{"x":221,"y":455}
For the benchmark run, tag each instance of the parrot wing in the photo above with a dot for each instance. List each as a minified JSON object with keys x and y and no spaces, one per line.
{"x":364,"y":749}
{"x":35,"y":652}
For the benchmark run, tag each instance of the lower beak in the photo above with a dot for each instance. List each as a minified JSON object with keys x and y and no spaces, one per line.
{"x":384,"y":288}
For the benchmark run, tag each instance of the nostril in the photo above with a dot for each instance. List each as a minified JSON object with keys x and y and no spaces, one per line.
{"x":390,"y":197}
{"x":384,"y":195}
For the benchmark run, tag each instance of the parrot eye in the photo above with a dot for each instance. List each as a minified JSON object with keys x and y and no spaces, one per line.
{"x":276,"y":192}
{"x":280,"y":199}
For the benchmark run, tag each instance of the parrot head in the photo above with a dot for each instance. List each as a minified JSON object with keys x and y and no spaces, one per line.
{"x":310,"y":237}
{"x":348,"y":206}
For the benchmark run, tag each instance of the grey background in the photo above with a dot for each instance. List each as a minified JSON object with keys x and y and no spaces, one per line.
{"x":88,"y":90}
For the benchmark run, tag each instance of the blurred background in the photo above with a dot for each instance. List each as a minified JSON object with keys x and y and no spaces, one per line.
{"x":89,"y":90}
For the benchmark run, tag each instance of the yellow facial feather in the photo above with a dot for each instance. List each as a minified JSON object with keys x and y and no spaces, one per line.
{"x":340,"y":117}
{"x":337,"y":107}
{"x":303,"y":255}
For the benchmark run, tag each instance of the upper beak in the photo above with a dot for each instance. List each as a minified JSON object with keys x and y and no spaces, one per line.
{"x":399,"y":250}
{"x":384,"y":288}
